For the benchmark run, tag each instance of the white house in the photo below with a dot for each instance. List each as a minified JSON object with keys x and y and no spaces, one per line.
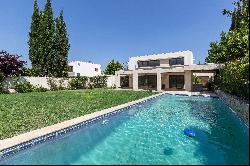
{"x":166,"y":71}
{"x":80,"y":68}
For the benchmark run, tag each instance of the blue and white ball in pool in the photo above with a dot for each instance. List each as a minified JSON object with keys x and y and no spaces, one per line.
{"x":189,"y":132}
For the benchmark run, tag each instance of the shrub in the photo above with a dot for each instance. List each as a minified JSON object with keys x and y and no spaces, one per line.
{"x":196,"y":79}
{"x":79,"y":82}
{"x":40,"y":89}
{"x":1,"y":82}
{"x":24,"y":87}
{"x":113,"y":86}
{"x":210,"y":84}
{"x":10,"y":65}
{"x":235,"y":79}
{"x":99,"y":81}
{"x":52,"y":84}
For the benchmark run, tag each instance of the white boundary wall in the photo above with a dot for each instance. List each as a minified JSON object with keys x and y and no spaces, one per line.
{"x":43,"y":81}
{"x":36,"y":81}
{"x":111,"y":80}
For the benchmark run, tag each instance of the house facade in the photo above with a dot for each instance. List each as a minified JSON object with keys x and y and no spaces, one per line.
{"x":80,"y":68}
{"x":166,"y":71}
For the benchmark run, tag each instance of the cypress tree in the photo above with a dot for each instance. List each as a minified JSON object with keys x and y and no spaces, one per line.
{"x":62,"y":47}
{"x":47,"y":30}
{"x":33,"y":38}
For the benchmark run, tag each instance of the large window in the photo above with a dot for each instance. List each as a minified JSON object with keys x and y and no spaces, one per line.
{"x":147,"y":82}
{"x":176,"y":81}
{"x":177,"y":61}
{"x":124,"y":81}
{"x":151,"y":63}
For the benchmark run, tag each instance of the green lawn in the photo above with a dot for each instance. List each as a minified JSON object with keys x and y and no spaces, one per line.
{"x":20,"y":113}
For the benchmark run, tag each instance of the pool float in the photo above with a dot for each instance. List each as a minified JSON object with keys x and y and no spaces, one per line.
{"x":189,"y":132}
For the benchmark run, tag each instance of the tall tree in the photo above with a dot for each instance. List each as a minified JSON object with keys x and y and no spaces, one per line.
{"x":239,"y":14}
{"x":62,"y":47}
{"x":46,"y":37}
{"x":33,"y":38}
{"x":233,"y":50}
{"x":112,"y":67}
{"x":233,"y":45}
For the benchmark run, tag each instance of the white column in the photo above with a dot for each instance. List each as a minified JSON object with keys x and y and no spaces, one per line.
{"x":130,"y":81}
{"x":135,"y":80}
{"x":117,"y":81}
{"x":188,"y":81}
{"x":158,"y":81}
{"x":167,"y":81}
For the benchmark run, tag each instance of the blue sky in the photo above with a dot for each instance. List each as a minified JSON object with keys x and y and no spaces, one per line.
{"x":101,"y":30}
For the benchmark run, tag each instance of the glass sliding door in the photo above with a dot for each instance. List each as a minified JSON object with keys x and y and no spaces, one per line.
{"x":147,"y":82}
{"x":176,"y":81}
{"x":124,"y":82}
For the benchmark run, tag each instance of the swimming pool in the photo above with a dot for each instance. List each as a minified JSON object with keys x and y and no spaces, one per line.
{"x":150,"y":133}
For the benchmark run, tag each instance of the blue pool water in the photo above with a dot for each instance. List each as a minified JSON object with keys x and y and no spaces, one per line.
{"x":151,"y":133}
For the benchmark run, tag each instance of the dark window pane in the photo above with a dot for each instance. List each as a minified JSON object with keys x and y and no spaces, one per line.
{"x":172,"y":61}
{"x":176,"y":81}
{"x":176,"y":61}
{"x":154,"y":63}
{"x":180,"y":61}
{"x":145,"y":63}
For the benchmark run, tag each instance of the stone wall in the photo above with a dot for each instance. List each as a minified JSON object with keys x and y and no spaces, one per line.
{"x":241,"y":107}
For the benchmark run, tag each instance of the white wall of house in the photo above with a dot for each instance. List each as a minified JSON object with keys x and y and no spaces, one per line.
{"x":111,"y":80}
{"x":84,"y":69}
{"x":164,"y":59}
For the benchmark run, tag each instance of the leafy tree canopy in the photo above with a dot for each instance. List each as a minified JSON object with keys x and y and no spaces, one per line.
{"x":233,"y":50}
{"x":233,"y":45}
{"x":10,"y":65}
{"x":112,"y":67}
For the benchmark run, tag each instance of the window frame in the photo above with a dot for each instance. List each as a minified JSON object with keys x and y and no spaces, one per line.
{"x":149,"y":63}
{"x":176,"y":61}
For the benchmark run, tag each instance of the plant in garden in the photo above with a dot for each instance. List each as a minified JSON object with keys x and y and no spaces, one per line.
{"x":34,"y":42}
{"x":61,"y":46}
{"x":56,"y":84}
{"x":48,"y":42}
{"x":233,"y":50}
{"x":10,"y":65}
{"x":112,"y":67}
{"x":2,"y":77}
{"x":79,"y":82}
{"x":196,"y":79}
{"x":52,"y":82}
{"x":24,"y":87}
{"x":235,"y":79}
{"x":99,"y":81}
{"x":40,"y":89}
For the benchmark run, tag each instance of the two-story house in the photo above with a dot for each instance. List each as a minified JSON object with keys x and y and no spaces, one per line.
{"x":80,"y":68}
{"x":166,"y":71}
